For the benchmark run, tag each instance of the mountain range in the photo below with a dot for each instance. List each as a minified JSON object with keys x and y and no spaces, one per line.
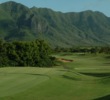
{"x":87,"y":28}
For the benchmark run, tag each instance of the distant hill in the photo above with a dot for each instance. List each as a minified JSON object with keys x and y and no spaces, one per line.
{"x":88,"y":28}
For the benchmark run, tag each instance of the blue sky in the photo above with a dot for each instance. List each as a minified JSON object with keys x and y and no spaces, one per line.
{"x":69,"y":5}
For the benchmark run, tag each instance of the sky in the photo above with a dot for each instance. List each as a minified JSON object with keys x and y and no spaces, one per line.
{"x":68,"y":5}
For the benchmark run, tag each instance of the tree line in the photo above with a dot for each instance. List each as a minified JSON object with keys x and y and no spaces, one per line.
{"x":19,"y":53}
{"x":92,"y":50}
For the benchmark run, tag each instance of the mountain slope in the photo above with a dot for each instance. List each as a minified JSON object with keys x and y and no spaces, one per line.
{"x":88,"y":28}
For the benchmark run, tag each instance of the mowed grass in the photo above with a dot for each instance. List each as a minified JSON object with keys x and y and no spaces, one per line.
{"x":86,"y":78}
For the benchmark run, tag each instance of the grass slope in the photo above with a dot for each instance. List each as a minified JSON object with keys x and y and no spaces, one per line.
{"x":85,"y":78}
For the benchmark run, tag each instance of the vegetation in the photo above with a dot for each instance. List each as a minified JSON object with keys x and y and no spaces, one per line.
{"x":88,"y":28}
{"x":86,"y":78}
{"x":36,"y":53}
{"x":81,"y":68}
{"x":92,"y":50}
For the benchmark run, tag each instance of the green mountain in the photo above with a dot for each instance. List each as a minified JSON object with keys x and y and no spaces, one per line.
{"x":88,"y":28}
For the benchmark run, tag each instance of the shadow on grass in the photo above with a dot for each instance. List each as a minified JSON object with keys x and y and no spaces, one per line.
{"x":70,"y":71}
{"x":107,"y":63}
{"x":107,"y":57}
{"x":27,"y":74}
{"x":97,"y":74}
{"x":70,"y":78}
{"x":107,"y":97}
{"x":38,"y":75}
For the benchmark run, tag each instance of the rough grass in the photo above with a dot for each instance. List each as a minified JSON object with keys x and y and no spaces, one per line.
{"x":87,"y":78}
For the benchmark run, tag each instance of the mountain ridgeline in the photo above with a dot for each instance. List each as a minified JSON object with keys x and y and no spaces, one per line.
{"x":87,"y":28}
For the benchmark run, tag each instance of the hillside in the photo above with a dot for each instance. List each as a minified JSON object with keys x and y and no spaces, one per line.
{"x":88,"y":28}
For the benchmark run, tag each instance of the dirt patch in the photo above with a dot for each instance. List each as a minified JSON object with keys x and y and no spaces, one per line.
{"x":65,"y":60}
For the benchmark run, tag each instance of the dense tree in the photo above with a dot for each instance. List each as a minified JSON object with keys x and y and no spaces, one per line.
{"x":35,"y":53}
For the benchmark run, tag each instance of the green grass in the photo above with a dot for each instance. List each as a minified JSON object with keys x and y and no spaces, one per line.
{"x":86,"y":78}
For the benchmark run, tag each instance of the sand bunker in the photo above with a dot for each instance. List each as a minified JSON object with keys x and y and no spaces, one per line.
{"x":65,"y":60}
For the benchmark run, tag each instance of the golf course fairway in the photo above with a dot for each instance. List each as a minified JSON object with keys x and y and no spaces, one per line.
{"x":86,"y":77}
